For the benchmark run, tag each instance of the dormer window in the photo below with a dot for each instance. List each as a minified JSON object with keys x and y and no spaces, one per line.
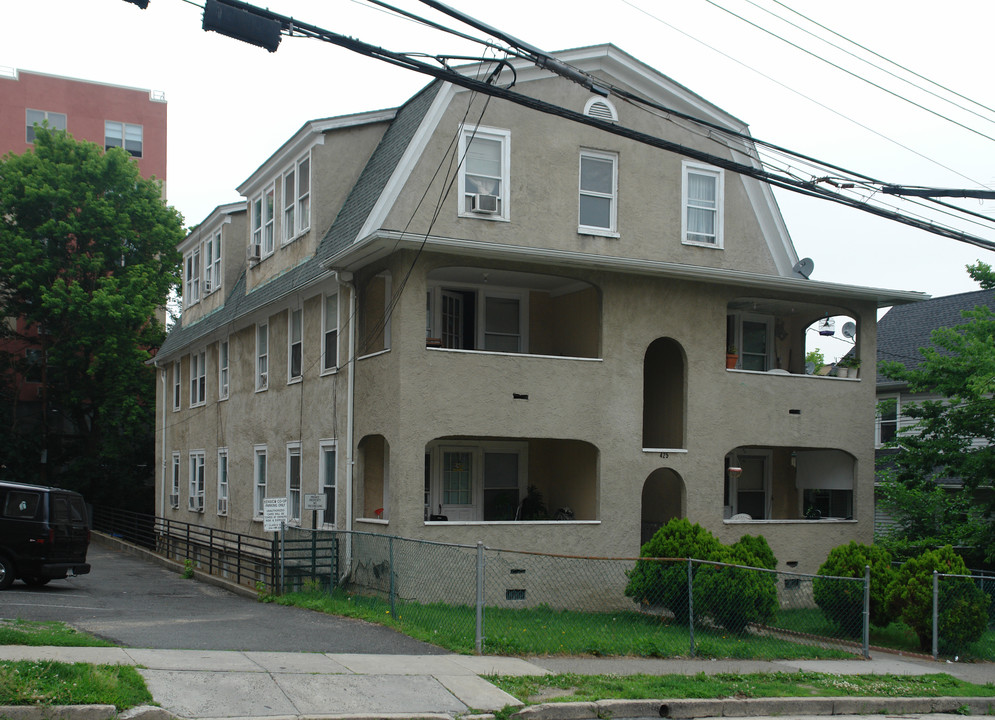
{"x":262,"y":223}
{"x":297,"y":199}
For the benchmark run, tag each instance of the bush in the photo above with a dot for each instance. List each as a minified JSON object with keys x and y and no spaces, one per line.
{"x":758,"y":547}
{"x":843,"y":602}
{"x":910,"y":596}
{"x":666,"y":583}
{"x":734,"y":597}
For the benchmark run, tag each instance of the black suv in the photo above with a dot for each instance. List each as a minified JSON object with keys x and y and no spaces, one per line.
{"x":43,"y":534}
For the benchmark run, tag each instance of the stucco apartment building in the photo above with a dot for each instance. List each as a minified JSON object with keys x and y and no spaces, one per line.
{"x":105,"y":114}
{"x":464,"y":320}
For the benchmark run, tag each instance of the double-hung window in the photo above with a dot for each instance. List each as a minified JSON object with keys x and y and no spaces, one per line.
{"x":176,"y":385}
{"x":222,"y":481}
{"x":192,"y":294}
{"x":174,"y":487}
{"x":262,"y":356}
{"x":223,"y":370}
{"x":598,"y":183}
{"x":126,"y":135}
{"x":198,"y":378}
{"x":484,"y":173}
{"x":212,"y":263}
{"x":294,"y":483}
{"x":887,"y":420}
{"x":196,"y":500}
{"x":295,"y":337}
{"x":754,"y":336}
{"x":701,"y":217}
{"x":259,"y":480}
{"x":297,"y":199}
{"x":330,"y":334}
{"x":289,"y":207}
{"x":326,"y":480}
{"x":56,"y":121}
{"x":262,"y":221}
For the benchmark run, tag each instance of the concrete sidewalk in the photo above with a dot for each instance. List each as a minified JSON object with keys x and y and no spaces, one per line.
{"x":234,"y":684}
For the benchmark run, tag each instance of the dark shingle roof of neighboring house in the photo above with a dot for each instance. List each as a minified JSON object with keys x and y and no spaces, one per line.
{"x":355,"y":210}
{"x":906,"y":328}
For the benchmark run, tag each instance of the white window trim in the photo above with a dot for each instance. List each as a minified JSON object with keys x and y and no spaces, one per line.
{"x":177,"y":386}
{"x":301,"y":224}
{"x":504,"y":136}
{"x":689,"y":168}
{"x":482,"y":293}
{"x":174,"y":495}
{"x":262,"y":358}
{"x":47,"y":116}
{"x":323,"y":447}
{"x":211,"y":257}
{"x":612,"y":230}
{"x":294,"y":450}
{"x":478,"y":449}
{"x":196,"y":498}
{"x":878,"y":419}
{"x":326,"y":327}
{"x":192,"y":274}
{"x":291,"y":378}
{"x":259,"y":451}
{"x":223,"y":486}
{"x":739,"y":317}
{"x":224,"y":370}
{"x":198,"y":378}
{"x":263,"y":233}
{"x":124,"y":136}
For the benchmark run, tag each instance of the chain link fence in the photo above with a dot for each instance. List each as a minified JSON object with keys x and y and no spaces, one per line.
{"x":963,"y":615}
{"x":511,"y":602}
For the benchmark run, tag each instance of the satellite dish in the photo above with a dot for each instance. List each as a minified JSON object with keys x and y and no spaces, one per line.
{"x":849,"y":330}
{"x":809,"y":367}
{"x":804,"y":267}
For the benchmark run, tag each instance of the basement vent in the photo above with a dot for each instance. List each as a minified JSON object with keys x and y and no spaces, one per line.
{"x":514,"y":594}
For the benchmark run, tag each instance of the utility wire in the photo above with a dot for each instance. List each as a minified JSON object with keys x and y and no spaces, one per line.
{"x":850,"y":72}
{"x":868,"y":62}
{"x":801,"y":94}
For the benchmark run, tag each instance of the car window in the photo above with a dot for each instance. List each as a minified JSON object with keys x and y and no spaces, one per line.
{"x":77,"y":509}
{"x":21,"y":505}
{"x":60,"y":509}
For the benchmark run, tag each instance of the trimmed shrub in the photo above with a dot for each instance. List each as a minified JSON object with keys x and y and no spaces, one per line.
{"x":843,"y":602}
{"x":758,"y":547}
{"x":734,"y":597}
{"x":963,"y":615}
{"x":665,"y":583}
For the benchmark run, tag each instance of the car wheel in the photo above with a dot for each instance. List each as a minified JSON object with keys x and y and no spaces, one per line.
{"x":6,"y":573}
{"x":36,"y":581}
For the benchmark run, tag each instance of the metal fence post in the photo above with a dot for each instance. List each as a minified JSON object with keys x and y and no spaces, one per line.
{"x":867,"y":611}
{"x":936,"y":614}
{"x":691,"y":604}
{"x":283,"y":557}
{"x":390,"y":570}
{"x":479,"y":639}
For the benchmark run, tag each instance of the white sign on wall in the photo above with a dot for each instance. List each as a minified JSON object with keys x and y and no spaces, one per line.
{"x":315,"y":501}
{"x":274,"y":513}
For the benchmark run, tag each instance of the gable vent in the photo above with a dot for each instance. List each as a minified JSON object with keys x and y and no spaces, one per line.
{"x":601,"y":108}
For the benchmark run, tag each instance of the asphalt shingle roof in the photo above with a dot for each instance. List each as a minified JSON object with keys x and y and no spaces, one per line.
{"x":347,"y":224}
{"x":906,"y":328}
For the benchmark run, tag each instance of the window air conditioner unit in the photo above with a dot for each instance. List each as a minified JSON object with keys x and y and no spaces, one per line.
{"x":263,"y":380}
{"x":255,"y":252}
{"x":196,"y":503}
{"x":222,"y":506}
{"x":484,"y":203}
{"x":174,"y":501}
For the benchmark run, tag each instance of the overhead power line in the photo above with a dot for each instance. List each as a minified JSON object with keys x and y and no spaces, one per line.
{"x":263,"y":28}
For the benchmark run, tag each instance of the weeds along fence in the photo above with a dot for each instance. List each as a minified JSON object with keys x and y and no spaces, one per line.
{"x":963,"y":615}
{"x":511,"y":602}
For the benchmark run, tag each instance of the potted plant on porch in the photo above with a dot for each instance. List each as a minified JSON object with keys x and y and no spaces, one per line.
{"x":732,"y":357}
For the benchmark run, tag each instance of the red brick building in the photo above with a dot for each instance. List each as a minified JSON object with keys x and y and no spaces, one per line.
{"x":109,"y":115}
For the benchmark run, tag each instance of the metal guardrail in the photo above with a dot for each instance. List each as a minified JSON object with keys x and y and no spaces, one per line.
{"x":244,"y":559}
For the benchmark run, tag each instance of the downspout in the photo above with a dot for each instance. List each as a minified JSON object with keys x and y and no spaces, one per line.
{"x":346,"y":279}
{"x":162,"y":492}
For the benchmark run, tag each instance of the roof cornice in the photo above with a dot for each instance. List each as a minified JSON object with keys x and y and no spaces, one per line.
{"x":382,"y":243}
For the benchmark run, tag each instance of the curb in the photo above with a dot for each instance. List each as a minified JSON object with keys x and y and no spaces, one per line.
{"x":753,"y":707}
{"x":83,"y":712}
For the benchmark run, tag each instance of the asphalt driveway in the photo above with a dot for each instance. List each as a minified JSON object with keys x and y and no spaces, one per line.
{"x":136,"y":603}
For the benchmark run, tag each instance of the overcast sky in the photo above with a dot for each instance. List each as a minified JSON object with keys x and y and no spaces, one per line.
{"x":230,"y":105}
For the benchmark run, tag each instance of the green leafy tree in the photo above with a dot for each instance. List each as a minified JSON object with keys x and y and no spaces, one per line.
{"x":950,"y":438}
{"x":87,"y":257}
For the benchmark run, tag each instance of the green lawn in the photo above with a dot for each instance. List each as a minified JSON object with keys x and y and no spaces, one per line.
{"x":25,"y":632}
{"x":543,"y":631}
